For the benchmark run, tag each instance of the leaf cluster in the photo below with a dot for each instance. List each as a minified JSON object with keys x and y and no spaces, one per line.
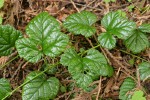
{"x":86,"y":69}
{"x":45,"y":39}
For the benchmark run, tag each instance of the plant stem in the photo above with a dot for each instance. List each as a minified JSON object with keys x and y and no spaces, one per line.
{"x":8,"y":62}
{"x":9,"y":94}
{"x":81,"y":53}
{"x":134,"y":55}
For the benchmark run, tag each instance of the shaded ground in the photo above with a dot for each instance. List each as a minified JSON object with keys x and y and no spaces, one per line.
{"x":19,"y":12}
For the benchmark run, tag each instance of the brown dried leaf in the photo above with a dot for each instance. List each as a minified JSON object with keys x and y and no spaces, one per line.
{"x":109,"y":85}
{"x":3,"y":60}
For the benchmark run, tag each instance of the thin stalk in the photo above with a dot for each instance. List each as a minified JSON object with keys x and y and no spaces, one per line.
{"x":81,"y":53}
{"x":134,"y":56}
{"x":8,"y":62}
{"x":9,"y":94}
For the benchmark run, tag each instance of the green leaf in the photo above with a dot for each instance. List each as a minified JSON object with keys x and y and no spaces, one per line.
{"x":1,"y":3}
{"x":42,"y":26}
{"x":107,"y":40}
{"x":40,"y":88}
{"x":130,"y":8}
{"x":1,"y":20}
{"x":132,"y":61}
{"x":144,"y":70}
{"x":106,"y":70}
{"x":121,"y":13}
{"x":137,"y":42}
{"x":5,"y":88}
{"x":87,"y":68}
{"x":126,"y":86}
{"x":63,"y":89}
{"x":51,"y":71}
{"x":29,"y":49}
{"x":70,"y":58}
{"x":138,"y":95}
{"x":96,"y":56}
{"x":82,"y":80}
{"x":113,"y":0}
{"x":45,"y":38}
{"x":129,"y":0}
{"x":81,"y":23}
{"x":145,"y":28}
{"x":118,"y":25}
{"x":107,"y":1}
{"x":91,"y":88}
{"x":8,"y":37}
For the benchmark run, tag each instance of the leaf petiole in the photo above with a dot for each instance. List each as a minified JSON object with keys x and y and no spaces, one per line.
{"x":9,"y":94}
{"x":134,"y":56}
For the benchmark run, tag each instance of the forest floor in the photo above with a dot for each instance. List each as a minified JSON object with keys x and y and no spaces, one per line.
{"x":19,"y":12}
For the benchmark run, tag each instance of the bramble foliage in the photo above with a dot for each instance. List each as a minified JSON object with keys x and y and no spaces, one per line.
{"x":138,"y":41}
{"x":115,"y":25}
{"x":86,"y":69}
{"x":81,"y":23}
{"x":138,"y":95}
{"x":126,"y":86}
{"x":8,"y":37}
{"x":144,"y":69}
{"x":5,"y":88}
{"x":40,"y":87}
{"x":45,"y":39}
{"x":1,"y":5}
